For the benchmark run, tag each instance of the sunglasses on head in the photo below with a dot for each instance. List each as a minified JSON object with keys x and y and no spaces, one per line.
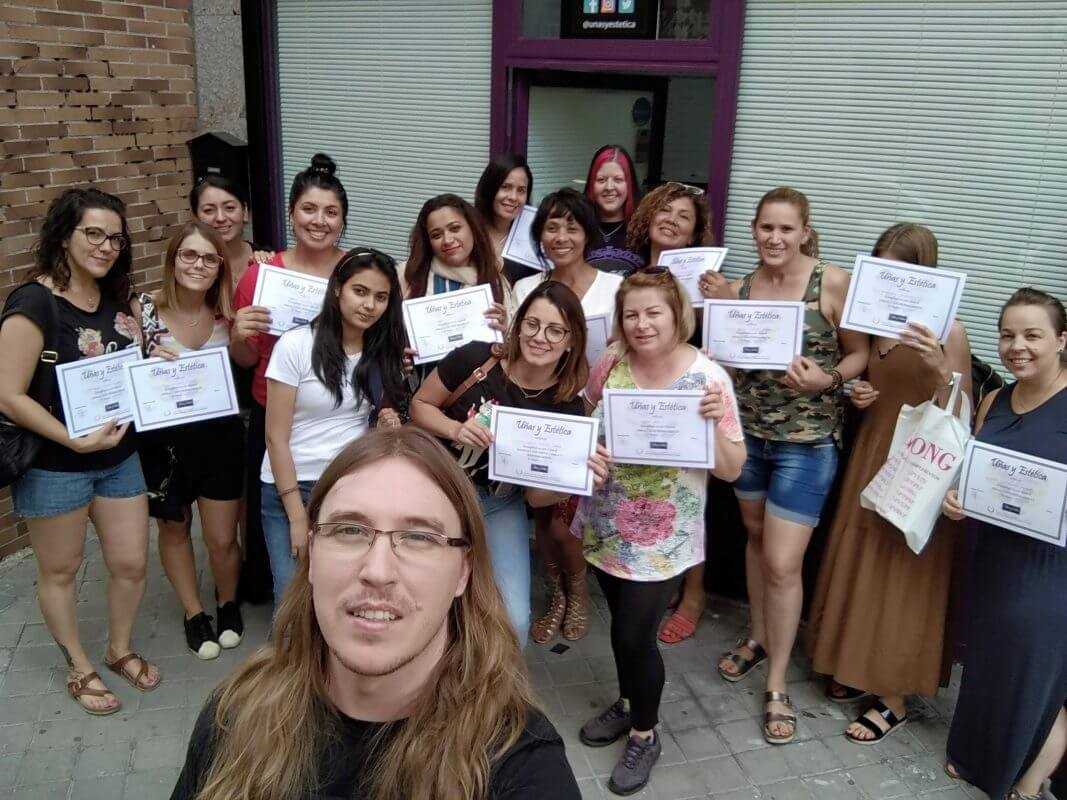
{"x":685,"y":187}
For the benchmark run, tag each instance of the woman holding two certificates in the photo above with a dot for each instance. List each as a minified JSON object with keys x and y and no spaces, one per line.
{"x":77,"y":306}
{"x":318,"y":210}
{"x":541,"y":366}
{"x":645,"y":526}
{"x":1009,"y":731}
{"x":792,"y":428}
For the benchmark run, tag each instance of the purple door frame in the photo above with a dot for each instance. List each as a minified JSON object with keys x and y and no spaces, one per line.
{"x":719,"y":56}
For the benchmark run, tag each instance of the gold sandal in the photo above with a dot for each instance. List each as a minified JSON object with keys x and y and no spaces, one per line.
{"x":770,"y":717}
{"x":78,"y":687}
{"x":547,"y":625}
{"x":576,"y":620}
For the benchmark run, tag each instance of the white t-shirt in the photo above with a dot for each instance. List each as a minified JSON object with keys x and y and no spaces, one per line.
{"x":599,"y":298}
{"x":320,"y":430}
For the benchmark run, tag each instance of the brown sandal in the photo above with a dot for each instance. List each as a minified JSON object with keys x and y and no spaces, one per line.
{"x":744,"y":665}
{"x":78,"y":687}
{"x":118,"y":666}
{"x":576,"y":620}
{"x":770,"y":717}
{"x":547,"y":625}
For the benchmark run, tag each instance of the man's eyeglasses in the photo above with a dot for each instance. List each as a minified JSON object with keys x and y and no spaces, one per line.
{"x":190,"y":257}
{"x":531,"y":326}
{"x":97,"y":236}
{"x":357,"y":539}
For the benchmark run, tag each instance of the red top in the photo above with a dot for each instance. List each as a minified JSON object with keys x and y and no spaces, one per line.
{"x":263,"y":343}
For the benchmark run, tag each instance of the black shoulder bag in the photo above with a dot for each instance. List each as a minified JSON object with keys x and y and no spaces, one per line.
{"x":18,"y":446}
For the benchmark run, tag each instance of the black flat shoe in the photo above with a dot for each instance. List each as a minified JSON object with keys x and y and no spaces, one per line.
{"x":886,"y":713}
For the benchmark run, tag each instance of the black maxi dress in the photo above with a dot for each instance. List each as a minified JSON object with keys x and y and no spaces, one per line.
{"x":1015,"y":666}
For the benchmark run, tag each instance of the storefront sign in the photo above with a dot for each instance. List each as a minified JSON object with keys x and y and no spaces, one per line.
{"x":608,"y":19}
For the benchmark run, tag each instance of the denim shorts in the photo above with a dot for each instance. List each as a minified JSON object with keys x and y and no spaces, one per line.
{"x":48,"y":493}
{"x":794,"y":478}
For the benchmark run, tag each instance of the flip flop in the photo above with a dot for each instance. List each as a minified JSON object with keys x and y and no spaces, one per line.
{"x":118,"y":666}
{"x":78,"y":687}
{"x":677,"y":629}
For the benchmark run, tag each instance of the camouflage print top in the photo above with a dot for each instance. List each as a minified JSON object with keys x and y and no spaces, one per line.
{"x":771,"y":410}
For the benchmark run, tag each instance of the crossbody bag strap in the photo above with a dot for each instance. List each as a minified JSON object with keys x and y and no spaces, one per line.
{"x":43,"y":382}
{"x":477,"y":376}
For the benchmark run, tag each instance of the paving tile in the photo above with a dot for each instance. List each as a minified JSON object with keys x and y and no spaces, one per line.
{"x":923,"y":773}
{"x":10,"y":633}
{"x":59,"y":733}
{"x":590,"y":789}
{"x":160,"y":753}
{"x":879,"y":781}
{"x":19,"y":683}
{"x":765,"y":766}
{"x":681,"y":781}
{"x":16,"y":738}
{"x":724,"y":774}
{"x":810,"y":757}
{"x":101,"y":761}
{"x":791,"y":789}
{"x":43,"y":791}
{"x":9,"y":767}
{"x":153,"y":785}
{"x":44,"y":766}
{"x":683,"y":715}
{"x":742,"y":735}
{"x":834,"y":786}
{"x":108,"y":788}
{"x":700,"y":743}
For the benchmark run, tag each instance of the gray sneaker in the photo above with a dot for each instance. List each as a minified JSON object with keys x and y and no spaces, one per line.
{"x":606,"y":727}
{"x":631,"y":773}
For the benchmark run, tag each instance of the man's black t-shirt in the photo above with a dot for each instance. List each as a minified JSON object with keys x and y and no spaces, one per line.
{"x":534,"y":768}
{"x":496,"y":389}
{"x":81,"y":334}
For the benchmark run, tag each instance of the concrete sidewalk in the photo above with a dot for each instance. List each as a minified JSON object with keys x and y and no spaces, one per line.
{"x":712,"y":745}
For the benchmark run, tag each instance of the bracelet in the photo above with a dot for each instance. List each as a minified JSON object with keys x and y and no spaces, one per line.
{"x":837,"y":382}
{"x":289,"y":491}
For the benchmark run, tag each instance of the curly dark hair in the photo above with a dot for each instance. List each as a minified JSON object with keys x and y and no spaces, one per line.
{"x":64,"y":215}
{"x":637,"y":235}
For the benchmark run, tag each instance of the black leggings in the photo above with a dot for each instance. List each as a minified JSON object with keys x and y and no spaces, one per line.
{"x":257,"y":585}
{"x":636,"y":609}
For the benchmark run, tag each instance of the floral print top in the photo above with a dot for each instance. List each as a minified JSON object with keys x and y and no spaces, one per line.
{"x":647,"y":523}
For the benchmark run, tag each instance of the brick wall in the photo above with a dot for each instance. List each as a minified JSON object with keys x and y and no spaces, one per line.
{"x":100,"y":92}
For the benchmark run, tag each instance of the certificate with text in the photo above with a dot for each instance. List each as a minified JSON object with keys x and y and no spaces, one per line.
{"x":293,"y":298}
{"x":1016,"y":491}
{"x":518,"y":246}
{"x":197,"y":385}
{"x":884,"y":296}
{"x":542,"y":449}
{"x":93,"y":391}
{"x":753,"y":334}
{"x":438,"y":324}
{"x":598,"y":330}
{"x":658,"y":428}
{"x":687,"y":264}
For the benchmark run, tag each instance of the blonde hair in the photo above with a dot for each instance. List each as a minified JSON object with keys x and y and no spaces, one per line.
{"x":274,"y":715}
{"x":910,"y":242}
{"x":675,"y":294}
{"x":638,"y":238}
{"x":799,"y":201}
{"x":220,"y":296}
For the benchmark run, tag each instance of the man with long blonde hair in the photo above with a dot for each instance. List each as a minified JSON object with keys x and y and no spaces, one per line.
{"x":393,"y":671}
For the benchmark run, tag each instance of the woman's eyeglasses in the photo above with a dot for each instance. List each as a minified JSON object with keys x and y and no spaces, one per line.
{"x":209,"y":260}
{"x":531,"y":326}
{"x":97,"y":236}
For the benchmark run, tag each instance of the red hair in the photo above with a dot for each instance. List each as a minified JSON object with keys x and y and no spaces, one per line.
{"x":613,"y":152}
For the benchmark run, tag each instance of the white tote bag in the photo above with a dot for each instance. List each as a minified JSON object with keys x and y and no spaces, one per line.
{"x":923,"y":463}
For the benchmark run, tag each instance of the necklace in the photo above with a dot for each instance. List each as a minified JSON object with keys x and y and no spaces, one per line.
{"x":195,"y":321}
{"x":1042,"y":395}
{"x":612,"y":232}
{"x":529,"y":394}
{"x":90,"y":299}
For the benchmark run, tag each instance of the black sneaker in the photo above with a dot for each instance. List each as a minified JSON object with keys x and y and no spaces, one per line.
{"x":201,"y":638}
{"x":231,"y":627}
{"x":608,"y":726}
{"x":631,"y":773}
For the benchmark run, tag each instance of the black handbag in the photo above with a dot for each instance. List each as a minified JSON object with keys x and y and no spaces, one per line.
{"x":18,"y":446}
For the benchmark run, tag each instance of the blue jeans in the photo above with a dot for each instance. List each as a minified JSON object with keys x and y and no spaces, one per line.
{"x":794,"y":478}
{"x":276,"y":535}
{"x":507,"y":529}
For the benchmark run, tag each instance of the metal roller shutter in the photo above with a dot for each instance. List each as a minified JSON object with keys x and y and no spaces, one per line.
{"x":952,"y":114}
{"x":396,"y":93}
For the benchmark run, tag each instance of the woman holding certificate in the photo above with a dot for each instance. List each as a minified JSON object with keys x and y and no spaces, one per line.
{"x":75,"y":307}
{"x":670,"y":217}
{"x":541,"y":366}
{"x":564,"y":232}
{"x":878,"y":617}
{"x":202,"y":461}
{"x":645,"y":526}
{"x":503,"y":190}
{"x":611,"y":187}
{"x":318,"y":210}
{"x":792,"y":429}
{"x":1009,"y":731}
{"x":327,"y":383}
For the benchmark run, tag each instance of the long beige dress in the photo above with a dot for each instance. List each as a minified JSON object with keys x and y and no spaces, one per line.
{"x":879,"y":613}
